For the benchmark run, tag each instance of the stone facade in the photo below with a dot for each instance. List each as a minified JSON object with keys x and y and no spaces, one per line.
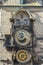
{"x":6,"y":26}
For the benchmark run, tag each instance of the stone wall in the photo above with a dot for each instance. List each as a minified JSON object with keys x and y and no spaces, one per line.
{"x":6,"y":26}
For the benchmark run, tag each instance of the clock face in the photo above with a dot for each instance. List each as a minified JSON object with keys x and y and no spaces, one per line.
{"x":23,"y":56}
{"x":22,"y":37}
{"x":22,"y":19}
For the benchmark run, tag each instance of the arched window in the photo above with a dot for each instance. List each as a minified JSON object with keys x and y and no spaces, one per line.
{"x":22,"y":18}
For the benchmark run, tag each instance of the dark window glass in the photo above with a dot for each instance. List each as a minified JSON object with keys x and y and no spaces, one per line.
{"x":25,"y":21}
{"x":8,"y":39}
{"x":21,"y":1}
{"x":17,"y":21}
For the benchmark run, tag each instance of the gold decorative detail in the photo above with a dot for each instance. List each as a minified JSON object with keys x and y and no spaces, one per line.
{"x":23,"y":56}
